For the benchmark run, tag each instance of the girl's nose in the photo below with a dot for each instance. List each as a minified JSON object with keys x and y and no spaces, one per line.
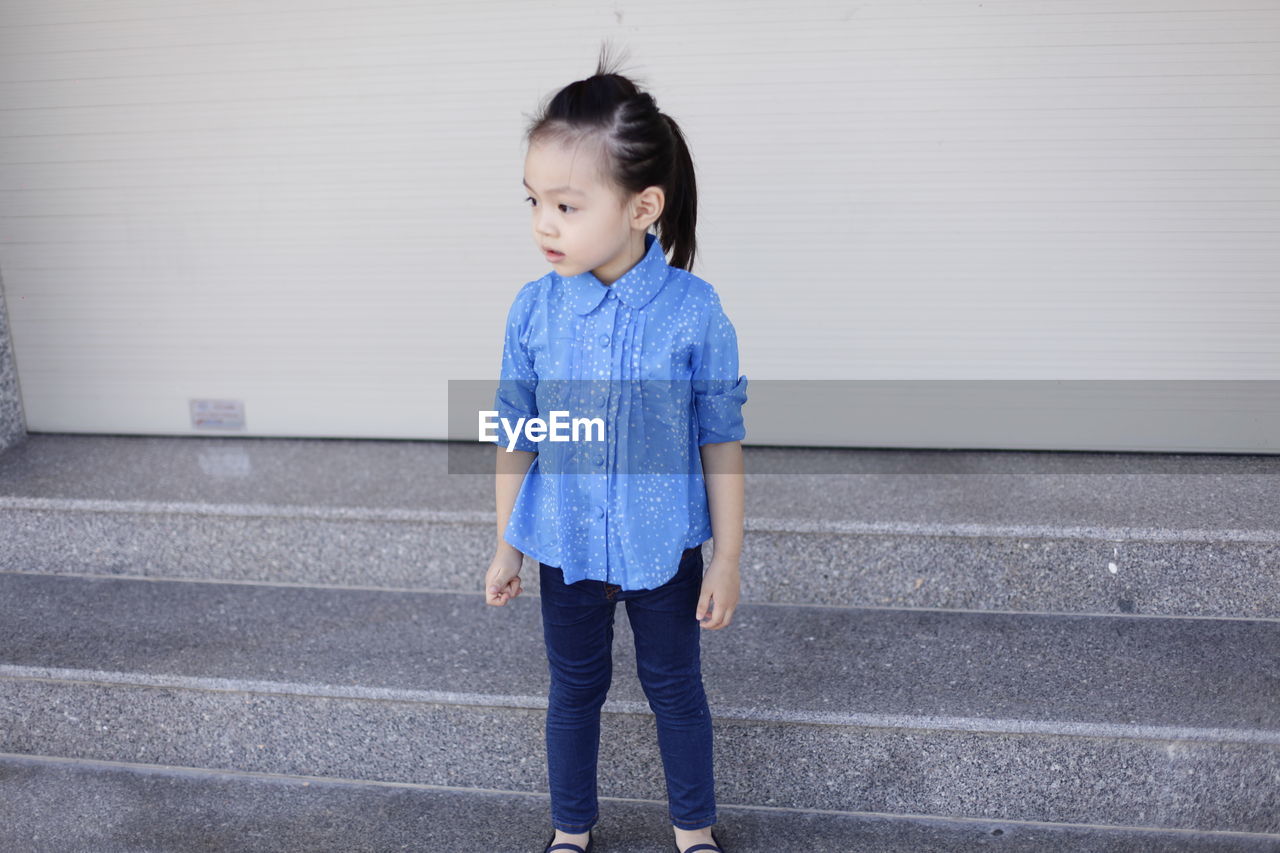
{"x":542,"y":222}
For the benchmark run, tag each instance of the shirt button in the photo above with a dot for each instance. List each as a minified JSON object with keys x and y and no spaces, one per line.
{"x":599,"y":512}
{"x":601,"y":401}
{"x":604,"y":340}
{"x":599,"y":460}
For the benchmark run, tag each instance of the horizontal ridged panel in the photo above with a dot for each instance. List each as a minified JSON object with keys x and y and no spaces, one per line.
{"x":314,"y":208}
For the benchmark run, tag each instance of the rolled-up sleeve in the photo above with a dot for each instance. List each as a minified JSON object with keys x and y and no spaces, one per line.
{"x":718,"y":391}
{"x":516,"y":396}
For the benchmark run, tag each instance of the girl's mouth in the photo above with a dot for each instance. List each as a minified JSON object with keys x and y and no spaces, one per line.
{"x":553,"y":256}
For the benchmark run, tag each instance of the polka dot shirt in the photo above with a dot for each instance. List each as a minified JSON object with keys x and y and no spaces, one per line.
{"x":652,"y":356}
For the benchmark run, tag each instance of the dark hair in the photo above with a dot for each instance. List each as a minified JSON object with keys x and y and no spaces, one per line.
{"x":641,"y":146}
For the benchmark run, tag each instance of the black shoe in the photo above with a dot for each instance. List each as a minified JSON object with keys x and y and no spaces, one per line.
{"x":569,"y":845}
{"x":702,"y":846}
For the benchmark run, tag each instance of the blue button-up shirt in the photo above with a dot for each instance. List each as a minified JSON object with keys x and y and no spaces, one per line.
{"x":579,"y":507}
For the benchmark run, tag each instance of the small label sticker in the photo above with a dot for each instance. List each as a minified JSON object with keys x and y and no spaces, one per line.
{"x":217,"y":414}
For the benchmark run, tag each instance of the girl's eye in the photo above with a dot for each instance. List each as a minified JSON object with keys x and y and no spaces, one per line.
{"x":535,"y":204}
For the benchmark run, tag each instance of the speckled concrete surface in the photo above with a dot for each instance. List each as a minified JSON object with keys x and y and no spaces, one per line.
{"x":1189,"y":535}
{"x":110,"y":808}
{"x":313,"y":607}
{"x":1171,"y":723}
{"x":1173,"y":492}
{"x":13,"y":424}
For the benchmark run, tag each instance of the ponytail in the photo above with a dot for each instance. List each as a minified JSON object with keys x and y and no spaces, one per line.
{"x":678,"y":221}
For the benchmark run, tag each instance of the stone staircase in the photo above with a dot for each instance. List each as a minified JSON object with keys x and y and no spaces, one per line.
{"x":230,"y":644}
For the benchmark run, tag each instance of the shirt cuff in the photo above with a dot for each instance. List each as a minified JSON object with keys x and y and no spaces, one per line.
{"x":719,"y":411}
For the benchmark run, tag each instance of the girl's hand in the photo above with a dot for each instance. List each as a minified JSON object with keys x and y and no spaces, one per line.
{"x":502,"y":581}
{"x":721,"y":584}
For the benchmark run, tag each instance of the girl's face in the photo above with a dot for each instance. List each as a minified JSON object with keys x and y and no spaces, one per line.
{"x":583,"y":218}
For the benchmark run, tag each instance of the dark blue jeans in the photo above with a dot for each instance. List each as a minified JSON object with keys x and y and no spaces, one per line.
{"x":577,"y":622}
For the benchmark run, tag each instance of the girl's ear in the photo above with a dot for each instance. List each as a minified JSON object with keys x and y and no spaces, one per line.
{"x":647,"y":205}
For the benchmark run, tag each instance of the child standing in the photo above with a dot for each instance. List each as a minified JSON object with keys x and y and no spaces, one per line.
{"x":644,"y":345}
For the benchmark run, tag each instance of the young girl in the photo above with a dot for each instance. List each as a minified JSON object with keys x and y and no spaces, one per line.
{"x":646,"y":346}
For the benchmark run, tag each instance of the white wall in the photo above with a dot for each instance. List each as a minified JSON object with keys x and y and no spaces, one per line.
{"x":316,"y":210}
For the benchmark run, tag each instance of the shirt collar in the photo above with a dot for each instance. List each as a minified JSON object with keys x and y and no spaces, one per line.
{"x":636,"y":287}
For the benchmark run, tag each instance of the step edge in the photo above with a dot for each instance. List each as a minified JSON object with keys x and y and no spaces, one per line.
{"x":756,"y":524}
{"x":918,"y":722}
{"x":179,"y":770}
{"x":798,"y":605}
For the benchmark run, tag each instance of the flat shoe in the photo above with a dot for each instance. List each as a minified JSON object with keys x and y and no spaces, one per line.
{"x":703,"y":846}
{"x":567,"y":845}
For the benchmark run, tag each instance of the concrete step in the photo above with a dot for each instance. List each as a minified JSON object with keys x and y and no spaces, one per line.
{"x":1105,"y":533}
{"x":1120,"y":721}
{"x":116,"y":807}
